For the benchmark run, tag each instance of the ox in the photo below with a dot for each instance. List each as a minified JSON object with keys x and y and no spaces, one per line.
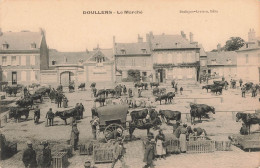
{"x":170,"y":115}
{"x":17,"y":113}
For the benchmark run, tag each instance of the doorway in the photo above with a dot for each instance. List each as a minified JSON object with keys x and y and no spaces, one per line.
{"x":14,"y":78}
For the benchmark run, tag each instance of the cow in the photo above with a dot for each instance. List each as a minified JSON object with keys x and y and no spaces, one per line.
{"x":100,"y":100}
{"x":208,"y":87}
{"x":248,"y":119}
{"x":156,"y":84}
{"x":81,"y":86}
{"x":36,"y":97}
{"x":170,"y":115}
{"x":217,"y":89}
{"x":93,"y":85}
{"x":101,"y":92}
{"x":110,"y":91}
{"x":170,"y":96}
{"x":200,"y":110}
{"x":25,"y":102}
{"x":64,"y":115}
{"x":142,"y":85}
{"x":17,"y":112}
{"x":140,"y":114}
{"x":219,"y":83}
{"x":162,"y":97}
{"x":71,"y":88}
{"x":43,"y":91}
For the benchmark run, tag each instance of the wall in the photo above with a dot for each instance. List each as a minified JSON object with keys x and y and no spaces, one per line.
{"x":103,"y":73}
{"x":49,"y":77}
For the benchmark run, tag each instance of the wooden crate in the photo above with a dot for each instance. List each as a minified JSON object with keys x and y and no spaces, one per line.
{"x":173,"y":146}
{"x":200,"y":146}
{"x":103,"y":153}
{"x":223,"y":145}
{"x":68,"y":149}
{"x":86,"y":149}
{"x":60,"y":160}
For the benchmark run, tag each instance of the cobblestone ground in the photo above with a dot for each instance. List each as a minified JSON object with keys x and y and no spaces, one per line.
{"x":219,"y":127}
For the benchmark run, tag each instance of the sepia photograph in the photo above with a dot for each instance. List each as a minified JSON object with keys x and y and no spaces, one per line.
{"x":130,"y":84}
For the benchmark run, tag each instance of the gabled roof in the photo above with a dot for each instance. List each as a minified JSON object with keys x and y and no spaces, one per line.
{"x":170,"y":42}
{"x":21,"y":40}
{"x":202,"y":51}
{"x":140,"y":48}
{"x":72,"y":57}
{"x":222,"y":58}
{"x":98,"y":52}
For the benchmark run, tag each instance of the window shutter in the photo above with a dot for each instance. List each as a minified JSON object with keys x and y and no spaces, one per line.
{"x":17,"y":60}
{"x":23,"y":60}
{"x":8,"y":60}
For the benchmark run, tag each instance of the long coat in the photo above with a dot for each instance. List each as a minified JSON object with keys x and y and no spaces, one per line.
{"x":149,"y":152}
{"x":74,"y":135}
{"x":46,"y":158}
{"x":29,"y":158}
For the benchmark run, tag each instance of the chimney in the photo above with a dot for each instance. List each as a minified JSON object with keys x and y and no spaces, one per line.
{"x":219,"y":47}
{"x":183,"y":35}
{"x":251,"y":35}
{"x":191,"y":37}
{"x":140,"y":39}
{"x":114,"y":40}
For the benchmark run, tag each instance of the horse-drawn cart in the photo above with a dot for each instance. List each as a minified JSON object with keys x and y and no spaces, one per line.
{"x":112,"y":120}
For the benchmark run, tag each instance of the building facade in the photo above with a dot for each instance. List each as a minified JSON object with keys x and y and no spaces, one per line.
{"x":134,"y":56}
{"x":248,"y":59}
{"x":22,"y":56}
{"x":174,"y":57}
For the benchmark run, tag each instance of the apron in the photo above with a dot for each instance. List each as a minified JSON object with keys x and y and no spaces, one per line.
{"x":183,"y":142}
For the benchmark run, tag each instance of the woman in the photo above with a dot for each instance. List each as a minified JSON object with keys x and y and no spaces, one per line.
{"x":160,"y":140}
{"x":182,"y":139}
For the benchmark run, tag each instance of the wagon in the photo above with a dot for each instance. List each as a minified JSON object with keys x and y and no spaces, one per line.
{"x":111,"y":118}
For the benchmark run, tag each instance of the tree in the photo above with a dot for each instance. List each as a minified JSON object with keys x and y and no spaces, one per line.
{"x":234,"y":43}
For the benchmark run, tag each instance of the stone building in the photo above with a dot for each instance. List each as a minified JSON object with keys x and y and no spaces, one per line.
{"x":248,"y":59}
{"x":22,"y":56}
{"x":133,"y":56}
{"x":174,"y":57}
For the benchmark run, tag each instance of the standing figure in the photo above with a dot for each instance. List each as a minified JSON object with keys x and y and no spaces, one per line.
{"x":59,"y":100}
{"x":82,"y":109}
{"x":94,"y":125}
{"x":65,"y":102}
{"x":74,"y":138}
{"x":160,"y":140}
{"x":182,"y":139}
{"x":176,"y":88}
{"x":25,"y":91}
{"x":130,"y":92}
{"x":50,"y":116}
{"x":253,"y":91}
{"x":46,"y":156}
{"x":139,"y":93}
{"x":37,"y":114}
{"x":29,"y":156}
{"x":181,"y":90}
{"x":231,"y":83}
{"x":124,"y":90}
{"x":243,"y":89}
{"x":173,"y":83}
{"x":149,"y":152}
{"x":118,"y":153}
{"x":240,"y":82}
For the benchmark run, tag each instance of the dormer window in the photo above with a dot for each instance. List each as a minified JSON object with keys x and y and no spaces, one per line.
{"x":53,"y":62}
{"x":33,"y":45}
{"x":5,"y":46}
{"x":144,"y":50}
{"x":123,"y":51}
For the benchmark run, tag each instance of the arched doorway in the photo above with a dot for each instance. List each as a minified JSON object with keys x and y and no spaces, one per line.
{"x":66,"y":78}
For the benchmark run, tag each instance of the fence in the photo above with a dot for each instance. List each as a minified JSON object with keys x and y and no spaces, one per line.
{"x":60,"y":160}
{"x":200,"y":144}
{"x":103,"y":153}
{"x":173,"y":146}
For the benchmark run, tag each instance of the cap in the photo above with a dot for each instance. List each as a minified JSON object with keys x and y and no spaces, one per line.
{"x":29,"y":142}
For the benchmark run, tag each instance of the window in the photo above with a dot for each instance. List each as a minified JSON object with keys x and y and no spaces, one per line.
{"x":32,"y":60}
{"x":33,"y":45}
{"x":23,"y":76}
{"x":23,"y":60}
{"x":246,"y":58}
{"x":13,"y":60}
{"x":32,"y":75}
{"x":123,"y":51}
{"x":5,"y":46}
{"x":159,"y":58}
{"x":144,"y":50}
{"x":53,"y":62}
{"x":4,"y":60}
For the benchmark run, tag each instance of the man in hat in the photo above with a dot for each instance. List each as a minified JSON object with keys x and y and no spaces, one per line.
{"x":50,"y":116}
{"x":117,"y":133}
{"x":74,"y":138}
{"x":149,"y":151}
{"x":37,"y":114}
{"x":118,"y":153}
{"x":243,"y":129}
{"x":94,"y":125}
{"x":46,"y":155}
{"x":29,"y":156}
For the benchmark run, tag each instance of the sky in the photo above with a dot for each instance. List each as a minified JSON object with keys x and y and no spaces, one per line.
{"x":68,"y":29}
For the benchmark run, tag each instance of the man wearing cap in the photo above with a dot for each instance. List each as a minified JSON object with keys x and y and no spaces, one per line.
{"x":50,"y":116}
{"x":118,"y":153}
{"x":37,"y":114}
{"x":149,"y":152}
{"x":29,"y":156}
{"x":46,"y":155}
{"x":74,"y":138}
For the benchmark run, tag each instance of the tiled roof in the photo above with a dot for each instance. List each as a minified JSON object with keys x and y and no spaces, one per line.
{"x":20,"y":40}
{"x":140,"y":48}
{"x":222,"y":58}
{"x":170,"y":42}
{"x":72,"y":57}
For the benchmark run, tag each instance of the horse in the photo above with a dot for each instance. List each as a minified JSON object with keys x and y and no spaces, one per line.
{"x":248,"y":119}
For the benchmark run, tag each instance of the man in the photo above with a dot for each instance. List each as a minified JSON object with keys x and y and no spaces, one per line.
{"x":243,"y":91}
{"x":243,"y":129}
{"x":46,"y":155}
{"x":181,"y":90}
{"x":36,"y":115}
{"x":74,"y":138}
{"x":130,"y":92}
{"x":240,"y":82}
{"x":25,"y":91}
{"x":149,"y":152}
{"x":173,"y":83}
{"x":82,"y":109}
{"x":94,"y":125}
{"x":124,"y":90}
{"x":139,"y":93}
{"x":65,"y":102}
{"x":50,"y":116}
{"x":3,"y":144}
{"x":78,"y":111}
{"x":176,"y":88}
{"x":29,"y":156}
{"x":59,"y":100}
{"x":253,"y":91}
{"x":118,"y":153}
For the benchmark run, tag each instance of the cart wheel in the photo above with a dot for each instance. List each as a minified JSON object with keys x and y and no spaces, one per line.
{"x":109,"y":130}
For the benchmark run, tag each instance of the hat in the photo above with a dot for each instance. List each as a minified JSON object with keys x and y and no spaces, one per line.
{"x":29,"y":142}
{"x":119,"y":130}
